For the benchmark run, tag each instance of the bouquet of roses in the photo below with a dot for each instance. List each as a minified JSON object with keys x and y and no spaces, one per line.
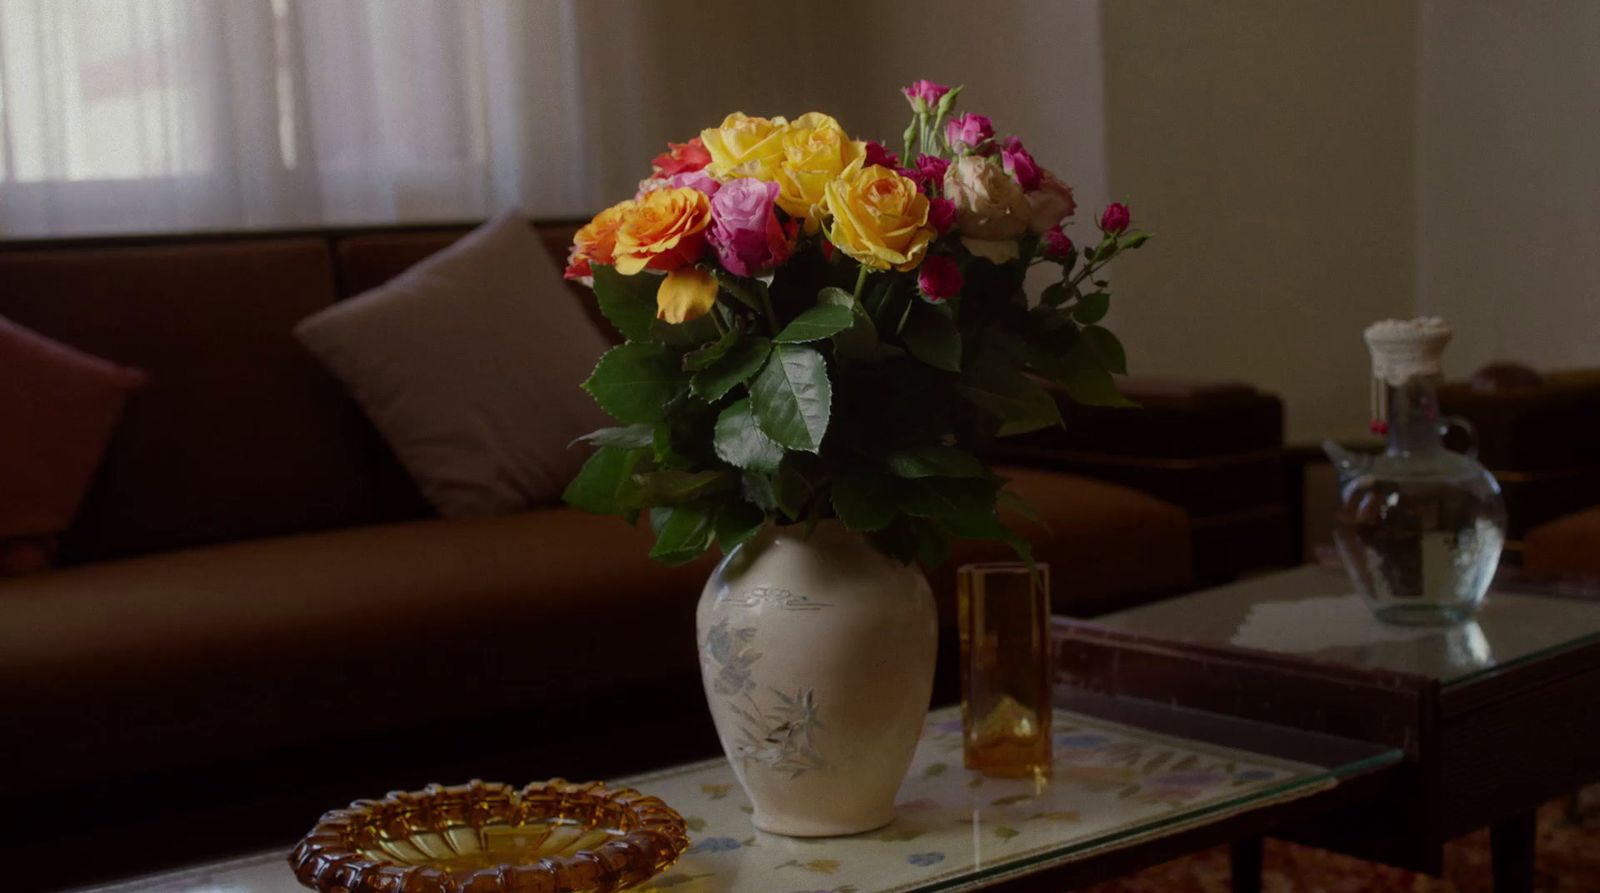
{"x":818,"y":328}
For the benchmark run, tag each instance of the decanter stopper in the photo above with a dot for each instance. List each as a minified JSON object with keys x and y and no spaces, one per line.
{"x":1402,"y":349}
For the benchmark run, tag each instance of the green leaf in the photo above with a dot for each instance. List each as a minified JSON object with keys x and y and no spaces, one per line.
{"x":1020,"y":403}
{"x":635,"y":382}
{"x":860,"y":340}
{"x":816,"y":324}
{"x":1086,"y":380}
{"x":936,"y":461}
{"x":629,"y":302}
{"x":1135,"y":239}
{"x":792,"y":397}
{"x":1106,"y":349}
{"x":685,"y":532}
{"x":671,"y":486}
{"x":864,"y":500}
{"x":741,"y":361}
{"x":605,"y":484}
{"x":1092,"y":307}
{"x":668,"y":447}
{"x":740,"y":443}
{"x":1054,"y":295}
{"x":759,"y":489}
{"x":628,"y":437}
{"x":749,"y":292}
{"x":932,"y":337}
{"x":948,"y":499}
{"x":796,"y":484}
{"x":707,"y":354}
{"x":736,"y":523}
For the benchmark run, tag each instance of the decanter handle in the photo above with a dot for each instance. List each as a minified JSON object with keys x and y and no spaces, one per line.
{"x":1454,"y":421}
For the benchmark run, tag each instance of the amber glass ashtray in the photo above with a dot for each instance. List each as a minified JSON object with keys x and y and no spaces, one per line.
{"x":549,"y":837}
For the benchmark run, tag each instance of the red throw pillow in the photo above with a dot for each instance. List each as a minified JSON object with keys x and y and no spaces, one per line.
{"x":57,"y":408}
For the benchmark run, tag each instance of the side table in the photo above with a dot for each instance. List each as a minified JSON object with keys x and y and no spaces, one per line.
{"x":1495,"y":715}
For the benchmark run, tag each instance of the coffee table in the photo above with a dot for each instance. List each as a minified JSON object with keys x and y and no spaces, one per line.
{"x":1496,"y":715}
{"x":1135,"y":784}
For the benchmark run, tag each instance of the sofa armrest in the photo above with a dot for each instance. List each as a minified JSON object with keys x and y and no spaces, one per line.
{"x":1213,"y":448}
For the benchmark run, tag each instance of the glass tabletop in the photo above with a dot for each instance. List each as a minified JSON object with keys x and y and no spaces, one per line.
{"x":1313,"y":611}
{"x":1125,"y":772}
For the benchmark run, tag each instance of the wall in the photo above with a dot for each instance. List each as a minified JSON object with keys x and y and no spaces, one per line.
{"x":1508,"y":173}
{"x":1270,"y":148}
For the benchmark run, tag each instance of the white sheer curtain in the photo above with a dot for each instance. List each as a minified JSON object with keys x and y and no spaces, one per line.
{"x":171,"y":115}
{"x":127,"y":115}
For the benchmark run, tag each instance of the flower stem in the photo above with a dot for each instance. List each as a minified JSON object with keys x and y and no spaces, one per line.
{"x":861,"y":282}
{"x":766,"y":307}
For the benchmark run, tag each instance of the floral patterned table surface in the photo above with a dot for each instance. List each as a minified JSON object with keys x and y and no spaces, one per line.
{"x":957,"y":830}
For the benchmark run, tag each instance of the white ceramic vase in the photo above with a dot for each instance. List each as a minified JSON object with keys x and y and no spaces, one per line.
{"x":817,"y":655}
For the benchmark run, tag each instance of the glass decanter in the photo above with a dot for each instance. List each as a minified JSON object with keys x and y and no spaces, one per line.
{"x":1419,"y":527}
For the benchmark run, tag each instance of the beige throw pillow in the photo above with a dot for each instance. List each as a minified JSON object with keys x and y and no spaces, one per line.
{"x":469,"y":364}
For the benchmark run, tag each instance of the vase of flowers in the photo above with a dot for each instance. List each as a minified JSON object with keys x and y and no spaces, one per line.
{"x":821,"y":338}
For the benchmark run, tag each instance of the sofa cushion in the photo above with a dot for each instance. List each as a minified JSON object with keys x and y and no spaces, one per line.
{"x":206,"y":654}
{"x":1107,"y":545}
{"x":58,"y":405}
{"x":240,"y":434}
{"x":470,"y":363}
{"x":368,"y":261}
{"x":1569,"y":545}
{"x":209,"y":653}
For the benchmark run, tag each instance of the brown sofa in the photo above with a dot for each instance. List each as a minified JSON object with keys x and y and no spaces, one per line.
{"x":256,"y":607}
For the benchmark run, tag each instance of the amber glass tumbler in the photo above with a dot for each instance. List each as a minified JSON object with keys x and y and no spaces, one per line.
{"x":1005,"y":668}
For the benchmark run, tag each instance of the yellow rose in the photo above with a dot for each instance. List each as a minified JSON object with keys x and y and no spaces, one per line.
{"x":745,"y":147}
{"x":664,"y":230}
{"x":879,"y":218}
{"x":815,"y":152}
{"x":686,"y":294}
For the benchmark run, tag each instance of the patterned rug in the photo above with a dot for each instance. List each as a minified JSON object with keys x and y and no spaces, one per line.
{"x":1569,"y":862}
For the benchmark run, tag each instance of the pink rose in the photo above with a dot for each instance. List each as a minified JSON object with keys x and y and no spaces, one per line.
{"x":1116,"y":218}
{"x":1056,"y":244}
{"x":938,"y":279}
{"x":929,"y":173}
{"x":878,"y":154}
{"x":1050,"y":204}
{"x":1020,"y":164}
{"x":745,"y":230}
{"x":941,"y":214}
{"x":969,"y":133}
{"x":924,"y":95}
{"x":693,"y":179}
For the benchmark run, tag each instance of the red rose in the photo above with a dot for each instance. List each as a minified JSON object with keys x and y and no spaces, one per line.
{"x":681,"y":158}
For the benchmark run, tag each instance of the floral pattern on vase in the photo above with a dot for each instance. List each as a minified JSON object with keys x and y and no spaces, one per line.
{"x":778,"y":734}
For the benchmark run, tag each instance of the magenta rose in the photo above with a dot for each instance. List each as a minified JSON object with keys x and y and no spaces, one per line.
{"x":1056,"y":244}
{"x":941,"y":214}
{"x":939,"y":279}
{"x":924,"y":95}
{"x":1116,"y":218}
{"x":969,"y":133}
{"x":1020,"y":165}
{"x":929,"y":173}
{"x":879,"y":154}
{"x":745,"y":230}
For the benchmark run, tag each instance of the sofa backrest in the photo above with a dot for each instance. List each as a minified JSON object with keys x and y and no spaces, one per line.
{"x":241,"y":433}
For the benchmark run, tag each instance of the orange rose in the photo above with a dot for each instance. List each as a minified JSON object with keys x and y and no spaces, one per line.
{"x":663,"y":231}
{"x":596,"y":241}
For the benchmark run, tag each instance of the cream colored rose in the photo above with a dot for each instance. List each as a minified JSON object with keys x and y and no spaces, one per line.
{"x":1052,"y":203}
{"x":989,"y":204}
